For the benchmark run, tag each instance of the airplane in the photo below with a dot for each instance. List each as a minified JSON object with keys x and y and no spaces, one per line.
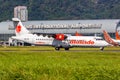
{"x":117,"y":35}
{"x":77,"y":34}
{"x":56,"y":40}
{"x":114,"y":42}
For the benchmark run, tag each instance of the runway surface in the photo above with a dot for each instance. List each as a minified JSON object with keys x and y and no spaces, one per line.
{"x":62,"y":51}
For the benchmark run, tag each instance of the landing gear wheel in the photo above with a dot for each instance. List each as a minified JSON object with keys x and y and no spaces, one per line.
{"x":66,"y":49}
{"x":101,"y":48}
{"x":57,"y":48}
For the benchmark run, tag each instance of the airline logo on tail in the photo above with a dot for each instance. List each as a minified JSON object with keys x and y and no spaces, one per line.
{"x":18,"y":28}
{"x":109,"y":39}
{"x":77,"y":34}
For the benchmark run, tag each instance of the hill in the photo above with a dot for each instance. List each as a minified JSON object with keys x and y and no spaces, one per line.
{"x":62,"y":9}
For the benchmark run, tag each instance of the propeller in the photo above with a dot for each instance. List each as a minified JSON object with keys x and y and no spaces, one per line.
{"x":59,"y":37}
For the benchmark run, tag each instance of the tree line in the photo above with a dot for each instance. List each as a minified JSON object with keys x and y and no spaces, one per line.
{"x":62,"y":9}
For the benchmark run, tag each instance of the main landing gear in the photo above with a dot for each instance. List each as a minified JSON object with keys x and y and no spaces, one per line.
{"x":58,"y":48}
{"x":66,"y":49}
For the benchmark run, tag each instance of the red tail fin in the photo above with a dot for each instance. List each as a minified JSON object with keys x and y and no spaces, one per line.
{"x":117,"y":36}
{"x":77,"y":34}
{"x":109,"y":39}
{"x":19,"y":28}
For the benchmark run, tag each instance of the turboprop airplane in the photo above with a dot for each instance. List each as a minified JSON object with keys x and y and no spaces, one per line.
{"x":56,"y":40}
{"x":114,"y":42}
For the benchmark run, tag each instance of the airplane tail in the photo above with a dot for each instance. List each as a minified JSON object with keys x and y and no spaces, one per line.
{"x":108,"y":38}
{"x":77,"y":34}
{"x":19,"y":28}
{"x":117,"y":35}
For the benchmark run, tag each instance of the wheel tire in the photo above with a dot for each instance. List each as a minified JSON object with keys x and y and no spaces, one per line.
{"x":66,"y":49}
{"x":57,"y":48}
{"x":101,"y":48}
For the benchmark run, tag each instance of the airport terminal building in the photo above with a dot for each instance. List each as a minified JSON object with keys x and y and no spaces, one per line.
{"x":85,"y":27}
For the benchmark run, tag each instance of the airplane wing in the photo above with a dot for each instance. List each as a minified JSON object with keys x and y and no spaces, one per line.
{"x":58,"y":36}
{"x":109,"y":39}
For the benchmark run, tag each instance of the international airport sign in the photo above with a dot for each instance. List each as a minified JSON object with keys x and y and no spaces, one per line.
{"x":65,"y":26}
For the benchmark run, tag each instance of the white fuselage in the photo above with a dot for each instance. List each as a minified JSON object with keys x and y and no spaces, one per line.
{"x":70,"y":41}
{"x":92,"y":41}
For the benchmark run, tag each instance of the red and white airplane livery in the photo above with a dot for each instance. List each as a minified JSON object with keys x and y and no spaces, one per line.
{"x":56,"y":40}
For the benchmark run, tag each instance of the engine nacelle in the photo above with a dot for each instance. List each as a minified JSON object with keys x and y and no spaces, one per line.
{"x":60,"y":37}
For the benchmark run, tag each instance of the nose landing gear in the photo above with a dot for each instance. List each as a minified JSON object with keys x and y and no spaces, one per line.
{"x":101,"y":48}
